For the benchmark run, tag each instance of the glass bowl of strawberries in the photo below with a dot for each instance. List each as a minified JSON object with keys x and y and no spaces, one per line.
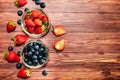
{"x":34,"y":54}
{"x":35,"y":23}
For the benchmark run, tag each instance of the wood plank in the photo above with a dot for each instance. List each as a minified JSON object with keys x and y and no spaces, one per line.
{"x":80,"y":22}
{"x":74,"y":6}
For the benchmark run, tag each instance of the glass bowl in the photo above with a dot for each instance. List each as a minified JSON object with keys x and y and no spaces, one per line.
{"x":32,"y":34}
{"x":33,"y":56}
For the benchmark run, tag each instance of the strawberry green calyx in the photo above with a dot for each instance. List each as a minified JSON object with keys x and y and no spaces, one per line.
{"x":12,"y":23}
{"x":27,"y":72}
{"x":5,"y":55}
{"x":46,"y":22}
{"x":14,"y":39}
{"x":16,"y":3}
{"x":44,"y":28}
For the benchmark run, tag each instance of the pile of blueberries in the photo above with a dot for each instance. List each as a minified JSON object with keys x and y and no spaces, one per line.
{"x":35,"y":53}
{"x":38,"y":2}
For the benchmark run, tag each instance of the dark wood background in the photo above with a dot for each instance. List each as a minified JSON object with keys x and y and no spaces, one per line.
{"x":92,"y":47}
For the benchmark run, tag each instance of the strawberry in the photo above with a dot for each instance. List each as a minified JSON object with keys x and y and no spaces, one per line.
{"x":59,"y":30}
{"x":30,"y":29}
{"x":34,"y":13}
{"x":23,"y":73}
{"x":29,"y":22}
{"x":11,"y":26}
{"x":20,"y":39}
{"x":38,"y":30}
{"x":59,"y":45}
{"x":11,"y":56}
{"x":20,"y":3}
{"x":37,"y":22}
{"x":44,"y":19}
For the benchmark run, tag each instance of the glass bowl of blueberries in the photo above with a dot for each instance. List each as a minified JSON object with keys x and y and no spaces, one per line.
{"x":35,"y":23}
{"x":34,"y":54}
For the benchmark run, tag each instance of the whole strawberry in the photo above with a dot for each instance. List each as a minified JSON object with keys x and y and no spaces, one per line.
{"x":38,"y":30}
{"x":11,"y":56}
{"x":23,"y":73}
{"x":20,"y":3}
{"x":11,"y":26}
{"x":30,"y":23}
{"x":20,"y":39}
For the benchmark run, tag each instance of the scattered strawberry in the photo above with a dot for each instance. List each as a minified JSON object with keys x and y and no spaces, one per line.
{"x":59,"y":30}
{"x":44,"y":19}
{"x":38,"y":30}
{"x":38,"y":22}
{"x":20,"y":3}
{"x":30,"y":29}
{"x":29,"y":22}
{"x":11,"y":56}
{"x":59,"y":45}
{"x":20,"y":39}
{"x":23,"y":73}
{"x":11,"y":26}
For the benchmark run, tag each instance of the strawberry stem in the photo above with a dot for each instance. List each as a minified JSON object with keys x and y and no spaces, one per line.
{"x":27,"y":72}
{"x":14,"y":39}
{"x":5,"y":55}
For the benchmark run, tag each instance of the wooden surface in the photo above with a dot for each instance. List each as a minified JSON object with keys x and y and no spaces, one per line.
{"x":92,"y":47}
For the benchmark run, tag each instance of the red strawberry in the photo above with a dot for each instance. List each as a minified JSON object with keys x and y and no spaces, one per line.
{"x":20,"y":39}
{"x":30,"y":29}
{"x":38,"y":22}
{"x":29,"y":22}
{"x":38,"y":30}
{"x":59,"y":30}
{"x":34,"y":13}
{"x":44,"y":19}
{"x":23,"y":73}
{"x":11,"y":26}
{"x":59,"y":45}
{"x":11,"y":56}
{"x":20,"y":3}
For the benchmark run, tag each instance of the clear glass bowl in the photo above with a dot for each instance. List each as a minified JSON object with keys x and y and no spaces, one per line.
{"x":32,"y":34}
{"x":38,"y":65}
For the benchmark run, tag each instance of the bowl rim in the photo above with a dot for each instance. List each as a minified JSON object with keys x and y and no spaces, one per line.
{"x":38,"y":66}
{"x":36,"y":35}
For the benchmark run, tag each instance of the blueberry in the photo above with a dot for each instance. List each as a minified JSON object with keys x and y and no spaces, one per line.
{"x":25,"y":50}
{"x":30,"y":54}
{"x":29,"y":63}
{"x":42,"y":5}
{"x":26,"y":55}
{"x":35,"y":62}
{"x":41,"y":61}
{"x":33,"y":50}
{"x":34,"y":57}
{"x":36,"y":53}
{"x":18,"y":65}
{"x":18,"y":53}
{"x":37,"y":2}
{"x":19,"y":12}
{"x":36,"y":47}
{"x":19,"y":21}
{"x":26,"y":60}
{"x":30,"y":44}
{"x":10,"y":48}
{"x":39,"y":57}
{"x":44,"y":58}
{"x":44,"y":72}
{"x":26,"y":9}
{"x":41,"y":49}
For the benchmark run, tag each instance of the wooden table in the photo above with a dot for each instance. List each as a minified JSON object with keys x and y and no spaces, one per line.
{"x":92,"y":46}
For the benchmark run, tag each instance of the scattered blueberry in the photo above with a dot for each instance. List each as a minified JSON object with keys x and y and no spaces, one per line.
{"x":19,"y":21}
{"x":44,"y":72}
{"x":18,"y":65}
{"x":10,"y":48}
{"x":19,"y":12}
{"x":37,"y":2}
{"x":42,"y":5}
{"x":18,"y":53}
{"x":26,"y":9}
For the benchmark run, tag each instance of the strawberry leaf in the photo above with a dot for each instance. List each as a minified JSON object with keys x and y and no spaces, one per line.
{"x":5,"y":55}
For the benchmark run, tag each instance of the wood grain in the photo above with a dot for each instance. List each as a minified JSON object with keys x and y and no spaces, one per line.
{"x":92,"y":42}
